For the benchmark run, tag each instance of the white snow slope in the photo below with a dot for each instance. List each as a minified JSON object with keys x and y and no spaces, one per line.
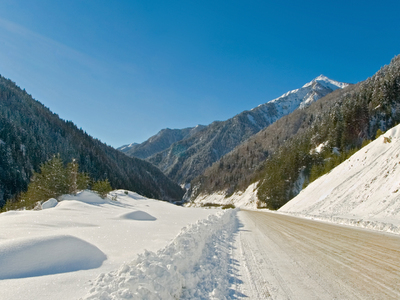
{"x":247,"y":199}
{"x":362,"y":191}
{"x":57,"y":253}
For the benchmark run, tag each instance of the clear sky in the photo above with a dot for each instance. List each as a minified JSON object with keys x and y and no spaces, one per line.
{"x":123,"y":70}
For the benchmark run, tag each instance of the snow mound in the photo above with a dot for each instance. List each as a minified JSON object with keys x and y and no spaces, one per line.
{"x":49,"y":203}
{"x":86,"y":196}
{"x":138,"y":216}
{"x":363,"y":191}
{"x":28,"y":257}
{"x":195,"y":265}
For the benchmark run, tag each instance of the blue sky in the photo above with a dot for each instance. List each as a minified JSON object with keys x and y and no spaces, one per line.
{"x":123,"y":70}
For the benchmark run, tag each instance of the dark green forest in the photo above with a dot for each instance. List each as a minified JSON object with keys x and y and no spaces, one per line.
{"x":281,"y":154}
{"x":30,"y":134}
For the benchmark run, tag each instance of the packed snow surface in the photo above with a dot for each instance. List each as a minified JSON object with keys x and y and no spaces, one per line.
{"x":58,"y":252}
{"x":362,"y":191}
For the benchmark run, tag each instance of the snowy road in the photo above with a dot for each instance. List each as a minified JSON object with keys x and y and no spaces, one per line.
{"x":283,"y":257}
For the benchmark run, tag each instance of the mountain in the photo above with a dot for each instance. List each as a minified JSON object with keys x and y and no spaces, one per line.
{"x":189,"y":157}
{"x":128,"y":146}
{"x":159,"y":142}
{"x":30,"y":134}
{"x":300,"y":147}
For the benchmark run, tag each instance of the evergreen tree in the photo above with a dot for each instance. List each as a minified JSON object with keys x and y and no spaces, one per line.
{"x":102,"y":187}
{"x":52,"y":181}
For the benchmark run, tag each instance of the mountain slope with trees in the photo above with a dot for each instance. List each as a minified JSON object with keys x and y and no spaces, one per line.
{"x":309,"y":142}
{"x":188,"y":158}
{"x":30,"y":134}
{"x":159,"y":142}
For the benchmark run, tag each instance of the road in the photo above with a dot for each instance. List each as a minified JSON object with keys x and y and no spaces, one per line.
{"x":277,"y":256}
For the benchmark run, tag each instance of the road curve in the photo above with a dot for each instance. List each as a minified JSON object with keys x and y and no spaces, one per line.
{"x":277,"y":256}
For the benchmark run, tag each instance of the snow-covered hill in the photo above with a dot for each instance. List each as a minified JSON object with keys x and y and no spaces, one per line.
{"x":363,"y":191}
{"x":89,"y":246}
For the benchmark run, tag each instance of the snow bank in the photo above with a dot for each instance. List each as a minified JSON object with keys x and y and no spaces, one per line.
{"x":28,"y":257}
{"x":247,"y":199}
{"x":363,"y":191}
{"x":195,"y":265}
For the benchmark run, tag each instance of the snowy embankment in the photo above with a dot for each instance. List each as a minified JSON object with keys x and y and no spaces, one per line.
{"x":57,"y":252}
{"x":363,"y":191}
{"x":195,"y":265}
{"x":247,"y":199}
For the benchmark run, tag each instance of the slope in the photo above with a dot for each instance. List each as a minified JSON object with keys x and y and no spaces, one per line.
{"x":30,"y":134}
{"x":188,"y":158}
{"x":363,"y":189}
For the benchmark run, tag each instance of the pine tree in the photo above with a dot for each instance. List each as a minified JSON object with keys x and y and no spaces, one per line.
{"x":102,"y":187}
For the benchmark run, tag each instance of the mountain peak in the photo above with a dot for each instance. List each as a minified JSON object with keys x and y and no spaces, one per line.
{"x":327,"y":82}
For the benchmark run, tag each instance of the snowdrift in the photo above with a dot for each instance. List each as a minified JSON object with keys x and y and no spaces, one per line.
{"x":362,"y":191}
{"x":28,"y":257}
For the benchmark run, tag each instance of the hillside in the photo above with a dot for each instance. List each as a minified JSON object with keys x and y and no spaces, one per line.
{"x":159,"y":142}
{"x":281,"y":157}
{"x":364,"y":188}
{"x":188,"y":158}
{"x":30,"y":134}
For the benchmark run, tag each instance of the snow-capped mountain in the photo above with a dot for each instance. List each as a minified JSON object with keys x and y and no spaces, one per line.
{"x":300,"y":98}
{"x":189,"y":157}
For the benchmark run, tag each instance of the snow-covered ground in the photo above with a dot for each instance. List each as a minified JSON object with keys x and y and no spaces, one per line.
{"x":90,"y":248}
{"x":362,"y":191}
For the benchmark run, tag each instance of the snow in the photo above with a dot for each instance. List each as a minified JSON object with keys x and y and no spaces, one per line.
{"x":192,"y":266}
{"x":57,"y":253}
{"x":320,"y":147}
{"x":251,"y":119}
{"x":298,"y":98}
{"x":28,"y":257}
{"x":362,"y":191}
{"x":49,"y":203}
{"x":247,"y":199}
{"x":326,"y":82}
